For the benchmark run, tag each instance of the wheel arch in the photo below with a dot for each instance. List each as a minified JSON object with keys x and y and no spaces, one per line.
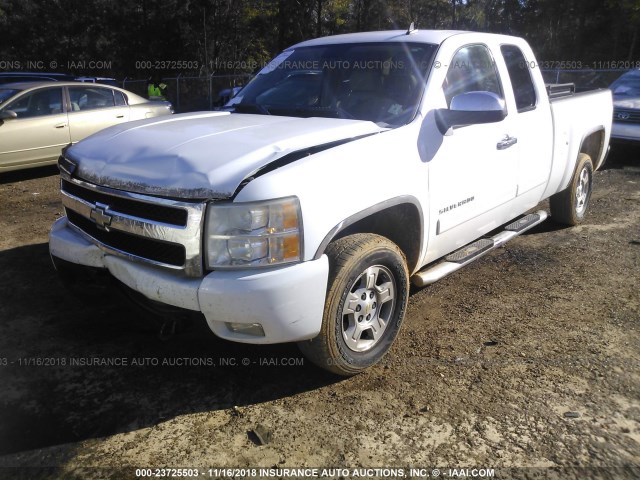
{"x":399,"y":219}
{"x":593,"y":144}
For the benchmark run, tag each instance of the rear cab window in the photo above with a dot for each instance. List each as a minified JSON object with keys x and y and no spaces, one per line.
{"x":523,"y":89}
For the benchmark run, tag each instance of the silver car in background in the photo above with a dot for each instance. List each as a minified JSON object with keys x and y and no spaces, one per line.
{"x":38,"y":119}
{"x":626,"y":107}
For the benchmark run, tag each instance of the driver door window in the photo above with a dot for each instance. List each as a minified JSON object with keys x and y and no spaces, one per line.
{"x":472,"y":69}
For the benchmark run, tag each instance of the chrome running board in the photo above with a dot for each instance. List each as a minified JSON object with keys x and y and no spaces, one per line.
{"x":477,"y":249}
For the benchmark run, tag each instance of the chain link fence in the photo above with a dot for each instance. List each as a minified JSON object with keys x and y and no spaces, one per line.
{"x":191,"y":94}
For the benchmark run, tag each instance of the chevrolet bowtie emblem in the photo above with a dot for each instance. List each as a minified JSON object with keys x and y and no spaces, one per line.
{"x":99,"y":215}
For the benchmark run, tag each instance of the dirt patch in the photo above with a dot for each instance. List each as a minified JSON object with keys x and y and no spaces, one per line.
{"x":528,"y":358}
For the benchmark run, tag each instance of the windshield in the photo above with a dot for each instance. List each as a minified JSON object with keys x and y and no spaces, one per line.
{"x":380,"y":82}
{"x":6,"y":93}
{"x":628,"y":85}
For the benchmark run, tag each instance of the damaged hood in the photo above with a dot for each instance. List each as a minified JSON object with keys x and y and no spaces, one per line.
{"x":202,"y":155}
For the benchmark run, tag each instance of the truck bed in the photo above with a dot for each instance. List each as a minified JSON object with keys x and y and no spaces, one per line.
{"x":576,"y":116}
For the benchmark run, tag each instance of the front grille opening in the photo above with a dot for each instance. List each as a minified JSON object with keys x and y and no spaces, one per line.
{"x":626,"y":115}
{"x":155,"y":250}
{"x":158,"y":213}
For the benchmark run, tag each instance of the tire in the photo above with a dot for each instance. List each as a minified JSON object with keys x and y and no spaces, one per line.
{"x":570,"y":206}
{"x":366,"y":302}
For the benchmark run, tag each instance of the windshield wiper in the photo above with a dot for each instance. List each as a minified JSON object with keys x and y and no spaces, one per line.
{"x":252,"y":107}
{"x":326,"y":112}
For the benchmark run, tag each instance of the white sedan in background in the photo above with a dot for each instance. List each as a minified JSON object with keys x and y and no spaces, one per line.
{"x":38,"y":119}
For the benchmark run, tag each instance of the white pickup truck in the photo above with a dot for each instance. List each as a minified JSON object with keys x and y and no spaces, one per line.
{"x":348,"y":167}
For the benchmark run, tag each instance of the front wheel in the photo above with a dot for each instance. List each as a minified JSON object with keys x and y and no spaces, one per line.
{"x":366,"y":303}
{"x":569,"y":206}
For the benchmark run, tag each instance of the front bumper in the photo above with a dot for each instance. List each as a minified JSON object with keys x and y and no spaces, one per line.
{"x":287,"y":302}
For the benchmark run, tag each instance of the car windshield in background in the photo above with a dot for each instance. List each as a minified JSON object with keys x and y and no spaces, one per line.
{"x":628,"y":85}
{"x":6,"y":93}
{"x":377,"y":82}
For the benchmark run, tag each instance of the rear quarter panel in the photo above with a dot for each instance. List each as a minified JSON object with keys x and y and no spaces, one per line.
{"x":576,"y":117}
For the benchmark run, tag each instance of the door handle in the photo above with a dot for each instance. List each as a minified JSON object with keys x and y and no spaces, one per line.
{"x":60,"y":125}
{"x":119,"y":116}
{"x":506,"y":142}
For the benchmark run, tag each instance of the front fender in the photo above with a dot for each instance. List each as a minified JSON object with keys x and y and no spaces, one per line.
{"x":342,"y":185}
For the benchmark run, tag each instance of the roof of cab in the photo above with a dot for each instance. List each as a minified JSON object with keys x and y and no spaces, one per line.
{"x":421,"y":36}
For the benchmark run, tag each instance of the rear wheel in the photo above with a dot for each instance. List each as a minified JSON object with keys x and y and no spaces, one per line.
{"x":569,"y":207}
{"x":366,"y":302}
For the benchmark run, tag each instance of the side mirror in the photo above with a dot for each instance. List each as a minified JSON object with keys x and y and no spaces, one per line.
{"x":471,"y":108}
{"x":8,"y":115}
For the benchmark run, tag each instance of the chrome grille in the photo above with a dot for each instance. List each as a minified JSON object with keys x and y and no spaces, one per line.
{"x":151,"y":211}
{"x":147,"y":229}
{"x":626,"y":115}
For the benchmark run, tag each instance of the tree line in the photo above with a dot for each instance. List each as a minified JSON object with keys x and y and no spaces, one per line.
{"x":140,"y":38}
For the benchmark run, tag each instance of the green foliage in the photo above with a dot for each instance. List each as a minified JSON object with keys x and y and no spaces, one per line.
{"x":238,"y":36}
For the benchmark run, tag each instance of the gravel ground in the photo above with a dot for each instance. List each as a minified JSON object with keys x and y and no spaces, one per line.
{"x":526,"y":362}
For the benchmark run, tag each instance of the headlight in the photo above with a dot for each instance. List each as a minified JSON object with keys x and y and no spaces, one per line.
{"x":253,"y":234}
